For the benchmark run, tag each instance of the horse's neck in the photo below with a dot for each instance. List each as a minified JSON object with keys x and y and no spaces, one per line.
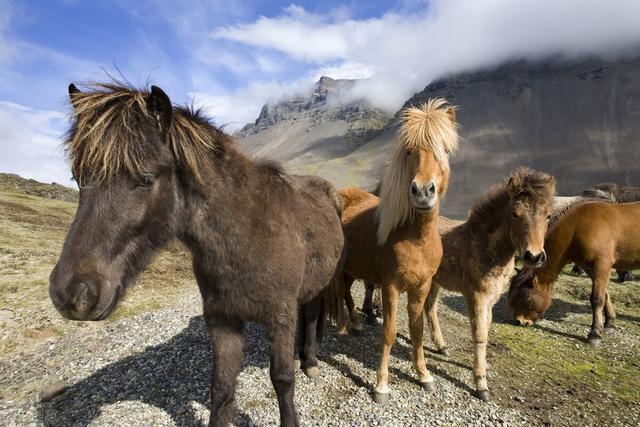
{"x":423,"y":226}
{"x":228,"y":188}
{"x":493,"y":243}
{"x":556,"y":246}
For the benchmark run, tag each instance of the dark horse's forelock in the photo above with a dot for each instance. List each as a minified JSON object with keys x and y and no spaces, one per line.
{"x":110,"y":134}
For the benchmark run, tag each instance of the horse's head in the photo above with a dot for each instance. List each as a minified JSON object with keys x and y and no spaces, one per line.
{"x":120,"y":156}
{"x":528,"y":298}
{"x":531,"y":194}
{"x":429,"y":135}
{"x":418,"y":176}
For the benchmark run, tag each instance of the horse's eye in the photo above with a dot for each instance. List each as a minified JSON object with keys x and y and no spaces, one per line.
{"x":145,"y":182}
{"x":515,"y":215}
{"x":548,"y":217}
{"x":408,"y":153}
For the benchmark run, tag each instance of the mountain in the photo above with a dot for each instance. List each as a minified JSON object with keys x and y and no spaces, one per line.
{"x":306,"y":130}
{"x":578,"y":120}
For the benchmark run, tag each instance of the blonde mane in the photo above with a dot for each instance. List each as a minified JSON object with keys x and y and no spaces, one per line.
{"x":110,"y":134}
{"x":430,"y":127}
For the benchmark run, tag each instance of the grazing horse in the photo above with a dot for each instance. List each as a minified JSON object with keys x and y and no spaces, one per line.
{"x":479,"y":255}
{"x":262,"y":242}
{"x":393,"y":240}
{"x":597,"y":236}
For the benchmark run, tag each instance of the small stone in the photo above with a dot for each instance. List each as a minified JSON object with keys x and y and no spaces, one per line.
{"x":52,"y":391}
{"x":519,"y":399}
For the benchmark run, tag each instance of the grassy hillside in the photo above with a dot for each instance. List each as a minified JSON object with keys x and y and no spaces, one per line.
{"x":32,"y":231}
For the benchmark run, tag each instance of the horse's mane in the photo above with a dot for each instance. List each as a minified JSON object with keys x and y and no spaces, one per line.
{"x":110,"y":134}
{"x":429,"y":127}
{"x":557,"y":216}
{"x":524,"y":182}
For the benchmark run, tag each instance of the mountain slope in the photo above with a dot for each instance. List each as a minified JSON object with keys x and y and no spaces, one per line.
{"x":579,"y":121}
{"x":305,"y":130}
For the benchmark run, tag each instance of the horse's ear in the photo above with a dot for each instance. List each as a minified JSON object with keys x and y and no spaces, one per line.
{"x":159,"y":105}
{"x":73,"y":91}
{"x":451,"y":112}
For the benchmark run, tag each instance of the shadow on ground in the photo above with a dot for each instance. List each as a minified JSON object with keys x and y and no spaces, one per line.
{"x":168,"y":376}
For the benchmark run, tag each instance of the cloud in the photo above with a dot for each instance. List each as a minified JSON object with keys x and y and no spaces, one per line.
{"x":30,"y":143}
{"x":404,"y":50}
{"x":234,"y":109}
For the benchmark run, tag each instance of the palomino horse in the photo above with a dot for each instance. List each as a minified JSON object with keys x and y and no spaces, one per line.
{"x":479,"y":255}
{"x":262,"y":242}
{"x":394,"y":240}
{"x":597,"y":236}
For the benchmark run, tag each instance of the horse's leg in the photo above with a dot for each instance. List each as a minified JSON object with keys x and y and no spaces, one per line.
{"x":377,"y":301}
{"x":309,"y":346}
{"x":431,"y":311}
{"x":226,"y":342}
{"x":354,"y":316}
{"x":609,"y":314}
{"x":415,"y":308}
{"x":367,"y":304}
{"x":600,"y":280}
{"x":390,"y":303}
{"x":478,"y":307}
{"x":281,"y":370}
{"x":340,"y":287}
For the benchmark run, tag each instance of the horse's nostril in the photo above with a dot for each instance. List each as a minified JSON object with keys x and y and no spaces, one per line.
{"x":82,"y":296}
{"x":517,"y":322}
{"x":431,"y":188}
{"x":414,"y":188}
{"x":542,"y":258}
{"x":528,"y":256}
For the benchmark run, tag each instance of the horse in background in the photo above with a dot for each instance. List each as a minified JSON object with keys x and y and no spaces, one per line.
{"x":479,"y":255}
{"x":393,"y":240}
{"x":597,"y":236}
{"x":263,"y":242}
{"x":615,"y":193}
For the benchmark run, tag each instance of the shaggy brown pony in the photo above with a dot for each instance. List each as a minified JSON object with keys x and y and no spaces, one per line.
{"x":394,"y":240}
{"x":479,"y":255}
{"x":597,"y":236}
{"x":262,"y":242}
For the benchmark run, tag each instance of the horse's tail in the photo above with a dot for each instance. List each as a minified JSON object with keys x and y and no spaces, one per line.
{"x":331,"y":303}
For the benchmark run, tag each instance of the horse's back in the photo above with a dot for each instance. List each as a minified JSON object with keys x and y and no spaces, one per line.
{"x":608,"y":230}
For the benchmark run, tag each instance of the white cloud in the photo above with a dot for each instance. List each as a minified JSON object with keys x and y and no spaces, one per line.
{"x":30,"y":143}
{"x":405,"y":51}
{"x":236,"y":108}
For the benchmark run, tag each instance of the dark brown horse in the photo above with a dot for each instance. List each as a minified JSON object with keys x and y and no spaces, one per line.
{"x":262,"y":242}
{"x":597,"y":236}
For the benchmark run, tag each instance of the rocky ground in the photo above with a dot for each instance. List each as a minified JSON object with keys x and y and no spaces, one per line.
{"x":154,"y":368}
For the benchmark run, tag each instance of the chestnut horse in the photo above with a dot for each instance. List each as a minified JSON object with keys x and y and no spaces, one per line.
{"x":262,"y":242}
{"x":479,"y":255}
{"x":597,"y":236}
{"x":394,"y":240}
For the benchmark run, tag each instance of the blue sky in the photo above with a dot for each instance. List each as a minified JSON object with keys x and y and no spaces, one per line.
{"x":233,"y":56}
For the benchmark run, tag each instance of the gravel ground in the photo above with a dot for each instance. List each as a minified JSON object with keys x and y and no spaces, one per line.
{"x":154,"y":369}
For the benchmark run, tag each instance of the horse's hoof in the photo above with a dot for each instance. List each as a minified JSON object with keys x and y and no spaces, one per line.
{"x":483,"y":395}
{"x":343,"y":331}
{"x":380,"y":398}
{"x":609,"y":328}
{"x":595,"y":340}
{"x":356,"y":332}
{"x":443,"y":351}
{"x":312,"y":372}
{"x":371,"y":319}
{"x":297,"y":364}
{"x":428,"y":386}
